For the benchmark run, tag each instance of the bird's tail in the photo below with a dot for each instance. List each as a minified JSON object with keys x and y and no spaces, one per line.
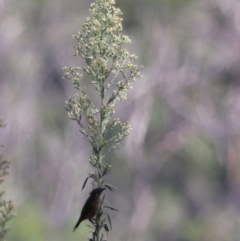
{"x":77,"y":224}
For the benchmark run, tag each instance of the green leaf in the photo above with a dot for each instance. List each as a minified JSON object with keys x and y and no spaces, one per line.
{"x":102,"y":221}
{"x":103,"y":199}
{"x":110,"y":187}
{"x":106,"y":228}
{"x":109,"y":220}
{"x":90,"y":226}
{"x":114,"y":209}
{"x":85,"y":182}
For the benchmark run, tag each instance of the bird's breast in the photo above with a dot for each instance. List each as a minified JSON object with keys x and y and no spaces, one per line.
{"x":94,"y":208}
{"x":96,"y":204}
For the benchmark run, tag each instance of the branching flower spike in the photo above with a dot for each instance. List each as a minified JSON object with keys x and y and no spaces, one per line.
{"x":110,"y":70}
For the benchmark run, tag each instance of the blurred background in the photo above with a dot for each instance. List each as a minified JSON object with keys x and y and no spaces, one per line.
{"x":178,"y":173}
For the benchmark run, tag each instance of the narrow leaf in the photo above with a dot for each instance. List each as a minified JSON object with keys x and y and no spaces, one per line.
{"x":106,"y":228}
{"x":102,"y":221}
{"x":103,"y":199}
{"x":85,"y":182}
{"x":108,"y":203}
{"x":110,"y":187}
{"x":111,"y":208}
{"x":109,"y":220}
{"x":90,"y":226}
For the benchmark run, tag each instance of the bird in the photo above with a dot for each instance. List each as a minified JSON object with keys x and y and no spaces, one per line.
{"x":91,"y":206}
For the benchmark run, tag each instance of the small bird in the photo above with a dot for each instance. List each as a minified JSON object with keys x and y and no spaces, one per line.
{"x":91,"y":206}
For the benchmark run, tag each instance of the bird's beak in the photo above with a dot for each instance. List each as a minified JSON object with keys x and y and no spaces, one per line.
{"x":102,"y":189}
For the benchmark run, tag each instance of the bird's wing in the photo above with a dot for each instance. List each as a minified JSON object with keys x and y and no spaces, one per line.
{"x":87,"y":209}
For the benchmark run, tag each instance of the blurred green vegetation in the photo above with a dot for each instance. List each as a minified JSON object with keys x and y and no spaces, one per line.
{"x":28,"y":224}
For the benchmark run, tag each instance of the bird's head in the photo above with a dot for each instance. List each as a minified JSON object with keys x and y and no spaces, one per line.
{"x":95,"y":193}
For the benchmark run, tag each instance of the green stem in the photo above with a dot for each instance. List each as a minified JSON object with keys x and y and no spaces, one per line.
{"x":97,"y":231}
{"x":98,"y":234}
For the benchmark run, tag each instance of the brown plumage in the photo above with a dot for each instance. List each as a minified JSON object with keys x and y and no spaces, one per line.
{"x":91,"y":206}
